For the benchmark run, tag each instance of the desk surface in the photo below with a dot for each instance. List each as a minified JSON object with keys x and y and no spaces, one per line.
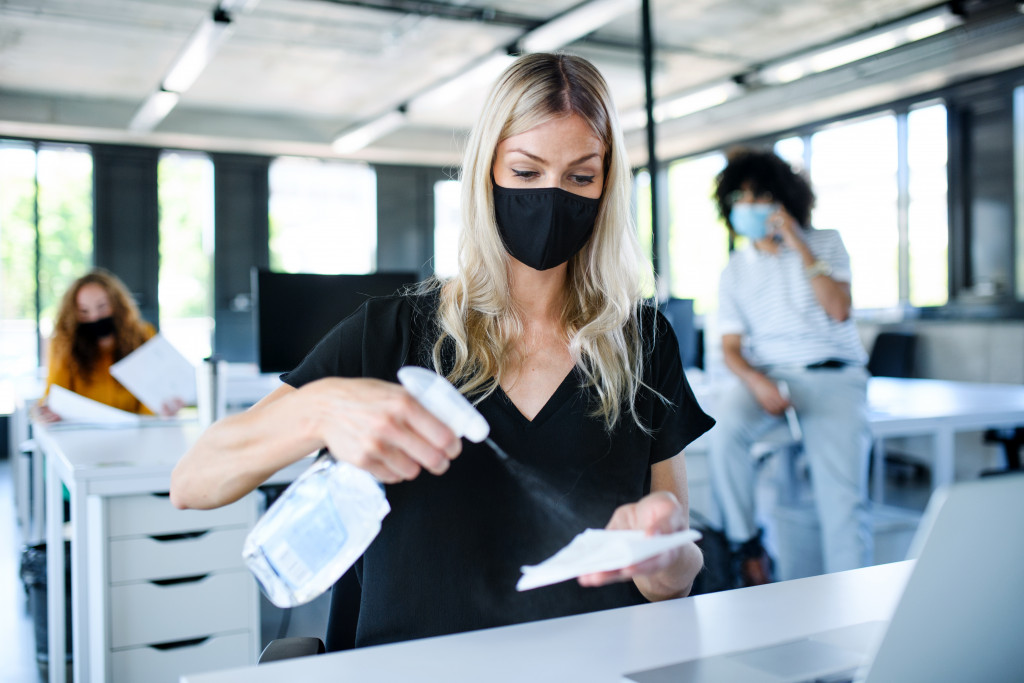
{"x":601,"y":646}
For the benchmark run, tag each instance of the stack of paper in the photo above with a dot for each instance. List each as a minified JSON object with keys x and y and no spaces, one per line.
{"x":601,"y":550}
{"x":74,"y":407}
{"x":156,"y":373}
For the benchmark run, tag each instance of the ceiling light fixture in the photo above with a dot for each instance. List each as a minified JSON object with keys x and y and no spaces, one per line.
{"x":574,"y":24}
{"x":153,"y":111}
{"x":190,"y":62}
{"x":683,"y":105}
{"x":867,"y":45}
{"x":198,"y":51}
{"x":356,"y":138}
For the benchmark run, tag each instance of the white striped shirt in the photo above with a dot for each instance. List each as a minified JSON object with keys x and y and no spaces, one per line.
{"x":768,"y":299}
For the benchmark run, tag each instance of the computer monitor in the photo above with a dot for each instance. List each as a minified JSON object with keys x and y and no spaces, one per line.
{"x":293,"y":311}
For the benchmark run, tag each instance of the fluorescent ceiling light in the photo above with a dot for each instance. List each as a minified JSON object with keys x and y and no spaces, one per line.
{"x":574,"y":24}
{"x":699,"y":100}
{"x":153,"y":111}
{"x":683,"y":105}
{"x":357,"y":138}
{"x":198,"y":51}
{"x":479,"y":77}
{"x":868,"y":45}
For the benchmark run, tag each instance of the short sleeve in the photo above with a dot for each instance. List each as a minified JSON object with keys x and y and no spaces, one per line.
{"x":729,"y":318}
{"x":834,"y":253}
{"x":676,"y":417}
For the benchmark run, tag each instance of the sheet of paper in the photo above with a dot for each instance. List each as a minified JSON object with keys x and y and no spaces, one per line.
{"x":156,"y":373}
{"x":74,"y":407}
{"x":599,"y":550}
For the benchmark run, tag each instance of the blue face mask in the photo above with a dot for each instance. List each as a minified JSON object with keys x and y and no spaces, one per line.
{"x":751,"y":220}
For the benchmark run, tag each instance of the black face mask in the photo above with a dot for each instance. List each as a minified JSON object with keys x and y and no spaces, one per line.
{"x":97,"y":329}
{"x":543,"y":228}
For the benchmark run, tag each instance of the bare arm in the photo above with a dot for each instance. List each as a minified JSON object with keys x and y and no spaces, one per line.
{"x":833,"y":295}
{"x":762,"y":387}
{"x":665,"y":510}
{"x":372,"y":424}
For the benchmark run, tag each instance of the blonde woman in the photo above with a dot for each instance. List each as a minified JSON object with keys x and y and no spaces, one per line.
{"x":97,"y":325}
{"x":543,"y":328}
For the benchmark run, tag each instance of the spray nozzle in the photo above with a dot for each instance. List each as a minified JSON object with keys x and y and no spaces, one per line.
{"x":444,"y":401}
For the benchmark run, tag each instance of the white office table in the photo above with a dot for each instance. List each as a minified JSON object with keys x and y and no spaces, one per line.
{"x":940,"y":409}
{"x":96,"y":465}
{"x":601,"y":646}
{"x":920,"y":407}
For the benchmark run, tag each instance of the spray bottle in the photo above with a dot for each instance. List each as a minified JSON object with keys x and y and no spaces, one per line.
{"x":325,"y":520}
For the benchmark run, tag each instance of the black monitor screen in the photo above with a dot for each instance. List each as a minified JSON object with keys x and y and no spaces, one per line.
{"x":293,"y":311}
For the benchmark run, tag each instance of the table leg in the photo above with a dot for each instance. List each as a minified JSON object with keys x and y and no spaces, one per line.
{"x":56,"y":646}
{"x":878,"y":473}
{"x":945,"y":457}
{"x":79,"y":588}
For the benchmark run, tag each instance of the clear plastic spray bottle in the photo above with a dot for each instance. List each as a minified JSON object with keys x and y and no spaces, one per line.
{"x":325,"y":520}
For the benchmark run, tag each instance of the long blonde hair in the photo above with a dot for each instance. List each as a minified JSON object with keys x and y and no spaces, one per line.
{"x":600,"y":317}
{"x":129,"y":329}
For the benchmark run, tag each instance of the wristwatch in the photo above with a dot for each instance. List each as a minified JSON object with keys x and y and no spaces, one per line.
{"x":818,"y":268}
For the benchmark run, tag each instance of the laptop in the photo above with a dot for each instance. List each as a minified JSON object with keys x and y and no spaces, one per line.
{"x":960,"y":618}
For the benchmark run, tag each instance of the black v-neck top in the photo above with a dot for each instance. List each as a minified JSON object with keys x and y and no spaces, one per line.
{"x":449,"y":554}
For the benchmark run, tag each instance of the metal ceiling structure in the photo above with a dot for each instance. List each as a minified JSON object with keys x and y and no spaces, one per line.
{"x":289,"y":77}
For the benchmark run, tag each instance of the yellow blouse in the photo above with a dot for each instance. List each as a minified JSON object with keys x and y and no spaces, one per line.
{"x":101,"y":386}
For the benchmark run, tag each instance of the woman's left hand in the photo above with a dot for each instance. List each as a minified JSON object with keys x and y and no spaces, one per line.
{"x":666,"y":575}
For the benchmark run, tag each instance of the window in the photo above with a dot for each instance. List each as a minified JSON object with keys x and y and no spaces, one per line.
{"x":854,"y":175}
{"x":447,"y":225}
{"x":46,"y":242}
{"x":323,"y":216}
{"x":698,"y":242}
{"x":645,"y":231}
{"x":185,"y":183}
{"x":927,"y":207}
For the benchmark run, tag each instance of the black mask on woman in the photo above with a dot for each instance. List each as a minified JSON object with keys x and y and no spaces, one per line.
{"x":97,"y":329}
{"x":543,"y":228}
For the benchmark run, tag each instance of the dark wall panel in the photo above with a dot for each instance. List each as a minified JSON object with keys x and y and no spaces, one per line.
{"x":241,"y":205}
{"x":127,"y":238}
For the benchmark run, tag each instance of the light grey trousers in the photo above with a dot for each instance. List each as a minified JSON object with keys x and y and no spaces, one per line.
{"x":831,"y":405}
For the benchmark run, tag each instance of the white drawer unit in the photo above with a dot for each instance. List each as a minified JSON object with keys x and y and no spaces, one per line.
{"x":166,"y":663}
{"x":178,"y":597}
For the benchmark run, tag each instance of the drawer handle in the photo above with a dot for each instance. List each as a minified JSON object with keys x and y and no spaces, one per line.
{"x":181,"y":579}
{"x":161,"y":494}
{"x":175,"y":644}
{"x":185,"y":535}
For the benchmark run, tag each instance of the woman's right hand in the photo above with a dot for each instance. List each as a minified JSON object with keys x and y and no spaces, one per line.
{"x":767,"y":394}
{"x":42,"y":413}
{"x":379,"y":427}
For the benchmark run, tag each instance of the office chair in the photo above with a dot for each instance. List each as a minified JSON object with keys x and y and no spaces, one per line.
{"x":1011,"y":439}
{"x":288,"y":648}
{"x":892,"y":354}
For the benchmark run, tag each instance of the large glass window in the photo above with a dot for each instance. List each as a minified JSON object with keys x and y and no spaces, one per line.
{"x":46,"y":241}
{"x":645,"y":231}
{"x":927,"y":206}
{"x":323,"y":216}
{"x":698,"y":241}
{"x":186,"y":252}
{"x":854,"y":174}
{"x":447,"y":224}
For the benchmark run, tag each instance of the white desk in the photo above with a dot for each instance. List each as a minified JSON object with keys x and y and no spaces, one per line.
{"x":109,"y":473}
{"x":940,"y":409}
{"x":601,"y":646}
{"x":921,"y":407}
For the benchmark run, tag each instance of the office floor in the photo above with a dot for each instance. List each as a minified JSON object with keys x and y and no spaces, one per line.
{"x":17,"y":637}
